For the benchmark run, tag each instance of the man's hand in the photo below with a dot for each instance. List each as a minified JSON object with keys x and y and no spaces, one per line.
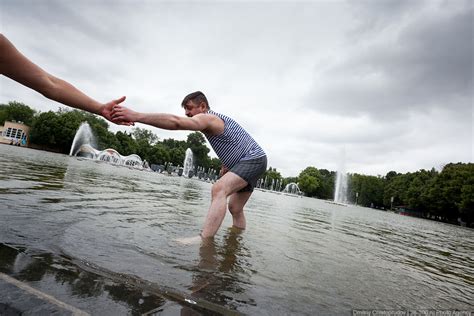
{"x":121,"y":113}
{"x":107,"y":112}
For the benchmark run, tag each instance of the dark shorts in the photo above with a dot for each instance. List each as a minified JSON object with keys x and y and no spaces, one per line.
{"x":250,"y":171}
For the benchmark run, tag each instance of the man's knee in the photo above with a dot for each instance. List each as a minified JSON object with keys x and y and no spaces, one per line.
{"x":218,"y":189}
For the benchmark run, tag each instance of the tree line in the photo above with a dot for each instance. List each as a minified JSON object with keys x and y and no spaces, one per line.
{"x":447,"y":195}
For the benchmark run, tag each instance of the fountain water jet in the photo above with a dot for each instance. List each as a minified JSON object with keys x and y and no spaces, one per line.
{"x":188,"y":162}
{"x":83,"y":135}
{"x":84,"y":146}
{"x":340,"y":189}
{"x":292,"y":188}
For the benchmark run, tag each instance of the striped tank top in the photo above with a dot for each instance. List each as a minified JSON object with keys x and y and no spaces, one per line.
{"x":234,"y":144}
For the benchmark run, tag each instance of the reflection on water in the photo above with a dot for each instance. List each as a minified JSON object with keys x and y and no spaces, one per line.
{"x":219,"y":276}
{"x":101,"y":238}
{"x":44,"y":269}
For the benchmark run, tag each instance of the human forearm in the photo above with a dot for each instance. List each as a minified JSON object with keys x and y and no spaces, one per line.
{"x":16,"y":66}
{"x":160,"y":120}
{"x":64,"y":92}
{"x":19,"y":68}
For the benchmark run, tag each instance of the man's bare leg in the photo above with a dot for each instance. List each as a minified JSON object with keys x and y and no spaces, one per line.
{"x":237,"y":202}
{"x":229,"y":184}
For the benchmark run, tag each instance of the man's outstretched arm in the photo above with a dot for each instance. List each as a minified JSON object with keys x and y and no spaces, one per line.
{"x":16,"y":66}
{"x":200,"y":122}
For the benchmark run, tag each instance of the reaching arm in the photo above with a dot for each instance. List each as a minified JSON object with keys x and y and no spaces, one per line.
{"x":16,"y":66}
{"x":206,"y":123}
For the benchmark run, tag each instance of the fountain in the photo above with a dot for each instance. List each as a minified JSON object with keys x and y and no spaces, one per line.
{"x":292,"y":189}
{"x":86,"y":151}
{"x":83,"y":135}
{"x":83,"y":146}
{"x":188,"y":163}
{"x":340,"y":189}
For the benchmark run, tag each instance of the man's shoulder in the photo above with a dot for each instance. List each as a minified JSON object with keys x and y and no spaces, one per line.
{"x":206,"y":116}
{"x":215,"y":123}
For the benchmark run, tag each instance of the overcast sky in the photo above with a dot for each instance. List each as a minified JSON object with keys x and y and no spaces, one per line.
{"x":388,"y":82}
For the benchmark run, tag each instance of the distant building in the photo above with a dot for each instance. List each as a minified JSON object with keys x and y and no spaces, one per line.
{"x":14,"y":133}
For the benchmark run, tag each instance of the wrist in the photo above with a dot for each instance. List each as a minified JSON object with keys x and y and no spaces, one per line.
{"x":101,"y":110}
{"x":93,"y":107}
{"x":138,"y":117}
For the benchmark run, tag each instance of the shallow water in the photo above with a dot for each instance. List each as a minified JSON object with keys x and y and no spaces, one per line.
{"x":102,"y":238}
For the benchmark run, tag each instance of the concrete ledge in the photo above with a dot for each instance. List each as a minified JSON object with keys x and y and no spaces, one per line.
{"x":18,"y":298}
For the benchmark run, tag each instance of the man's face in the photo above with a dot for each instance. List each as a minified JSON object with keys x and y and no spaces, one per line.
{"x":192,"y":108}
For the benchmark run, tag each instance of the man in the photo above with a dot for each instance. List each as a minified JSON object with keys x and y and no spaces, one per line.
{"x":16,"y":66}
{"x":243,"y":160}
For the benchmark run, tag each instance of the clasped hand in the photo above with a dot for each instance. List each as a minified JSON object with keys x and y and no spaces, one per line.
{"x":115,"y":112}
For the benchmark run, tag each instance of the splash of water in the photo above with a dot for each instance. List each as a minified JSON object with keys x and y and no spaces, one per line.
{"x":340,"y":189}
{"x":83,"y":136}
{"x":84,"y":146}
{"x":292,"y":188}
{"x":188,"y":162}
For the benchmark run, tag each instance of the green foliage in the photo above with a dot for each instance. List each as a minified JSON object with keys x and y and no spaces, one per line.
{"x":44,"y":129}
{"x":450,"y":194}
{"x":308,"y":184}
{"x":144,"y":135}
{"x":326,"y":187}
{"x":272,"y":175}
{"x":159,"y":154}
{"x":215,"y":164}
{"x":369,"y":188}
{"x":447,"y":196}
{"x":16,"y":111}
{"x":197,"y":143}
{"x":408,"y":190}
{"x":209,"y":163}
{"x":126,"y":144}
{"x":309,"y":181}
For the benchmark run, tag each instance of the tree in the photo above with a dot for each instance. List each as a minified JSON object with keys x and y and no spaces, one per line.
{"x":450,"y":194}
{"x":43,"y":131}
{"x":326,"y":188}
{"x":177,"y":155}
{"x":308,"y":184}
{"x":197,"y":143}
{"x":415,"y":191}
{"x":369,"y":188}
{"x":391,"y":175}
{"x":158,"y":154}
{"x":126,"y":144}
{"x":171,"y":143}
{"x":272,"y":175}
{"x":309,"y":181}
{"x":143,"y":134}
{"x":215,"y":164}
{"x":17,"y":111}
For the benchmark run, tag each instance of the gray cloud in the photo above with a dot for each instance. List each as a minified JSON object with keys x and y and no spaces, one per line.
{"x":424,"y":62}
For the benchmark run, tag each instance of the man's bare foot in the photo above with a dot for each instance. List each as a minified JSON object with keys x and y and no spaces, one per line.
{"x":189,"y":240}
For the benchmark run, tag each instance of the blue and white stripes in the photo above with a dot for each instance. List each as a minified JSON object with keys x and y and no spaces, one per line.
{"x":234,"y":144}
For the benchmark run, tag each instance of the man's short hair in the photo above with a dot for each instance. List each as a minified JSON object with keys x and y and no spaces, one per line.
{"x":197,"y":97}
